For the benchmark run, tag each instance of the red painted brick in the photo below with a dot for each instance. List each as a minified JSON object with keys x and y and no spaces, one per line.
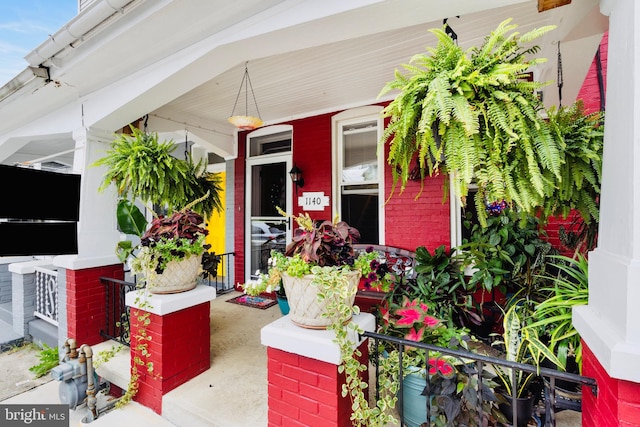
{"x":322,"y":368}
{"x":304,"y":376}
{"x":629,"y":392}
{"x":283,"y":382}
{"x":303,"y":403}
{"x":629,"y":412}
{"x":315,"y":420}
{"x":286,"y":409}
{"x":328,"y":397}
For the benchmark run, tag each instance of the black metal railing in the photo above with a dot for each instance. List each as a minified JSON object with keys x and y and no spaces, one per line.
{"x":117,"y":313}
{"x":475,"y":364}
{"x":222,"y":280}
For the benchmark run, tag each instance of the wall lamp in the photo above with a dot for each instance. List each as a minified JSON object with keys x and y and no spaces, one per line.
{"x":296,"y":177}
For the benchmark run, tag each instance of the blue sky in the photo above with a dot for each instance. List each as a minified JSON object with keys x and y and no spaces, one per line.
{"x":24,"y":24}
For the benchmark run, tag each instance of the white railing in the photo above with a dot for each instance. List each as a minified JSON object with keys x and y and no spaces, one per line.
{"x":47,"y":295}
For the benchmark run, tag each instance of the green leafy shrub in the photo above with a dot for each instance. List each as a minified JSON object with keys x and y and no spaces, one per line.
{"x":49,"y":359}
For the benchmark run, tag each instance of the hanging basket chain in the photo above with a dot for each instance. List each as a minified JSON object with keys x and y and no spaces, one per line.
{"x":246,"y":82}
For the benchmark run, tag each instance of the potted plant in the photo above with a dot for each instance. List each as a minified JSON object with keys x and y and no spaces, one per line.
{"x":170,"y":252}
{"x":474,"y":115}
{"x":449,"y":383}
{"x":506,"y":259}
{"x":266,"y":283}
{"x":142,"y":168}
{"x":320,"y":252}
{"x":439,"y":279}
{"x":553,"y":315}
{"x":520,"y":344}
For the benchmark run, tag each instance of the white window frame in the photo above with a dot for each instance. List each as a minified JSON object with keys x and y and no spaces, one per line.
{"x":455,"y":209}
{"x":371,"y":113}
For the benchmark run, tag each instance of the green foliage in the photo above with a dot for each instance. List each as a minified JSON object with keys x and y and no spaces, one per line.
{"x":130,"y":221}
{"x":522,"y":345}
{"x":508,"y":253}
{"x":582,"y":136}
{"x":141,"y":166}
{"x":438,"y":281}
{"x":452,"y":388}
{"x":554,"y":315}
{"x":476,"y":111}
{"x":333,"y":288}
{"x":581,"y":168}
{"x":49,"y":359}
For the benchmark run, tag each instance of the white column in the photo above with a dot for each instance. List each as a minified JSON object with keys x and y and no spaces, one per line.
{"x":610,"y":324}
{"x":97,"y":228}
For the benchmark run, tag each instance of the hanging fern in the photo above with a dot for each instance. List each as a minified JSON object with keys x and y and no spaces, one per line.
{"x":472,"y":114}
{"x":581,"y":162}
{"x":141,"y":166}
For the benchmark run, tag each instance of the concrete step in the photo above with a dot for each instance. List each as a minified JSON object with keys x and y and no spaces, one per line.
{"x":116,"y":370}
{"x":43,"y":332}
{"x":6,"y":315}
{"x":8,"y":338}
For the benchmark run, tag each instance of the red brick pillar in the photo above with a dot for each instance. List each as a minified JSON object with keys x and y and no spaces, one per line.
{"x":179,"y":348}
{"x":304,"y":386}
{"x":85,"y":305}
{"x":617,"y":402}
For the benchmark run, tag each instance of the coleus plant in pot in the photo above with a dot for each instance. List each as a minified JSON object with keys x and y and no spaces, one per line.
{"x":320,"y":252}
{"x":177,"y":239}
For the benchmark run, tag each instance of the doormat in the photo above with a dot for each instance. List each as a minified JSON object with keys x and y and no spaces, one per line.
{"x":255,"y":302}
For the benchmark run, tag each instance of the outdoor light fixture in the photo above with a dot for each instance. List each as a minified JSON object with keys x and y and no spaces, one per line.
{"x":246,"y":122}
{"x":296,"y":177}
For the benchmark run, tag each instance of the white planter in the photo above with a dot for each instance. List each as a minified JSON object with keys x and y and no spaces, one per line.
{"x":304,"y":308}
{"x":178,"y":276}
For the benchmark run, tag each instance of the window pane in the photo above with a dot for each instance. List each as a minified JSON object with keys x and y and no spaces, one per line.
{"x":361,"y":211}
{"x":359,"y":153}
{"x":270,"y":144}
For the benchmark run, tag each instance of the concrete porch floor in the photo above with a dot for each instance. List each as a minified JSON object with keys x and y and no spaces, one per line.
{"x":231,"y":393}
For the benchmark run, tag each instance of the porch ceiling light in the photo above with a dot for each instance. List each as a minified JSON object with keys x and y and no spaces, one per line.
{"x":246,"y":122}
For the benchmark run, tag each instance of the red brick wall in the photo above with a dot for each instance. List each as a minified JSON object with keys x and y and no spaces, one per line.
{"x":86,"y":312}
{"x":178,"y":353}
{"x":423,"y":221}
{"x":312,"y":154}
{"x":306,"y":392}
{"x":617,"y":402}
{"x":590,"y":91}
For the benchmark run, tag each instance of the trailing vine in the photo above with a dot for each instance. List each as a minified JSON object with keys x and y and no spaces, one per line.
{"x":333,"y":288}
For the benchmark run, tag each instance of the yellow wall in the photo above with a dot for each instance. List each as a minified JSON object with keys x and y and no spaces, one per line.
{"x":216,"y":224}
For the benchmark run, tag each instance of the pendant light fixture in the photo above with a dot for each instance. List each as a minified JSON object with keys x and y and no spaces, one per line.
{"x":246,"y":122}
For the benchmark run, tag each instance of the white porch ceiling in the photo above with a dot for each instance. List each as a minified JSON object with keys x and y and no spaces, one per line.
{"x":297,"y":69}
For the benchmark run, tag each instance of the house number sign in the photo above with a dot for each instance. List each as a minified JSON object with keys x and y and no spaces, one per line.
{"x":313,"y":201}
